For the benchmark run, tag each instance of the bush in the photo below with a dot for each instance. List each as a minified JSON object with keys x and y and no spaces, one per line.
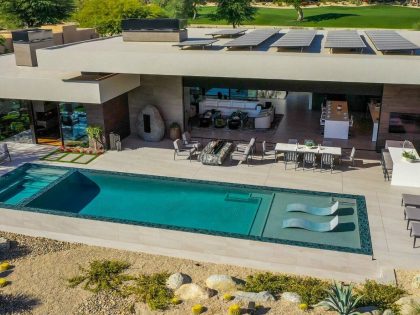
{"x":383,"y":296}
{"x":341,"y":299}
{"x":311,"y":290}
{"x":151,"y":289}
{"x":197,"y":309}
{"x":102,"y":275}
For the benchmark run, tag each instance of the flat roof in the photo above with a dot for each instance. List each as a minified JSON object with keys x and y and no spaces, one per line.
{"x":113,"y":55}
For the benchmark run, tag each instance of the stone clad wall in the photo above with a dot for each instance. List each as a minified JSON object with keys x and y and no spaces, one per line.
{"x":400,"y":99}
{"x":164,"y":92}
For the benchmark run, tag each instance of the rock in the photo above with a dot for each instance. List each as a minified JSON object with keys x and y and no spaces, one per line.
{"x":192,"y":291}
{"x":369,"y":310}
{"x":415,"y":283}
{"x":222,"y":283}
{"x":176,"y":280}
{"x":151,"y":128}
{"x":388,"y":312}
{"x":406,"y":304}
{"x":263,"y":296}
{"x":4,"y":244}
{"x":291,"y":297}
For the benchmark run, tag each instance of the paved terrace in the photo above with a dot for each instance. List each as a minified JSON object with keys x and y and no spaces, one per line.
{"x":392,"y":245}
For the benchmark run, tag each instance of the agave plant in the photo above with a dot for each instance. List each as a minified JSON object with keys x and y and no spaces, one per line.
{"x":341,"y":299}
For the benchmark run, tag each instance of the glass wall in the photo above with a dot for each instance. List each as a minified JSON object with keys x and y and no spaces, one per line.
{"x":73,"y":124}
{"x":15,"y":121}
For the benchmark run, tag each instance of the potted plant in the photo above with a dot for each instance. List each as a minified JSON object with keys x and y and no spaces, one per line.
{"x":409,"y":156}
{"x":310,"y":144}
{"x":95,"y":136}
{"x":174,"y":131}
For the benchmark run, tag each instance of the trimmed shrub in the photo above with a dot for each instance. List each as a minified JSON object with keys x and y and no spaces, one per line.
{"x":383,"y":296}
{"x":102,"y":275}
{"x":3,"y":282}
{"x":151,"y":289}
{"x":311,"y":290}
{"x":197,"y":309}
{"x":234,"y":309}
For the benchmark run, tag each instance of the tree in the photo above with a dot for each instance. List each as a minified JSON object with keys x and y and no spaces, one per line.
{"x":106,"y":15}
{"x":235,"y":11}
{"x":32,"y":13}
{"x":297,"y":4}
{"x":189,"y":8}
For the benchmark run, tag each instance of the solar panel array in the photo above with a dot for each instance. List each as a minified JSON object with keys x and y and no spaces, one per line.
{"x":385,"y":40}
{"x":228,"y":32}
{"x":296,"y":38}
{"x":344,"y":39}
{"x":252,"y":39}
{"x":196,"y":43}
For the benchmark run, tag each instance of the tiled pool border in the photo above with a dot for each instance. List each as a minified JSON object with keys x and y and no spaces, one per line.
{"x":363,"y":221}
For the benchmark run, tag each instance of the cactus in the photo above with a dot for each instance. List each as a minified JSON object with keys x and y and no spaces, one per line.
{"x":341,"y":299}
{"x":197,"y":309}
{"x":4,"y":266}
{"x":234,"y":309}
{"x":176,"y":301}
{"x":303,"y":307}
{"x":3,"y":282}
{"x":227,"y":297}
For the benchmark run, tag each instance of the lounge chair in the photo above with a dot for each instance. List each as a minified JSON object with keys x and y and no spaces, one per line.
{"x":300,"y":207}
{"x":268,"y":150}
{"x":387,"y":164}
{"x":243,"y":146}
{"x":350,"y":158}
{"x":410,"y":200}
{"x":415,"y":232}
{"x":188,"y":142}
{"x":180,"y":150}
{"x":4,"y":153}
{"x":310,"y":225}
{"x":240,"y":156}
{"x":411,"y":214}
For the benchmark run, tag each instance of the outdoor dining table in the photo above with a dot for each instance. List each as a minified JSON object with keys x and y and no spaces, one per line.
{"x":301,"y":148}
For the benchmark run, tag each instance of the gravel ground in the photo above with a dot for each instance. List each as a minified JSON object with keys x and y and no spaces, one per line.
{"x":405,"y":277}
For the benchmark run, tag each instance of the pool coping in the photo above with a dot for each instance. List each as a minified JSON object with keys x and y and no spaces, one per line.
{"x":362,"y":215}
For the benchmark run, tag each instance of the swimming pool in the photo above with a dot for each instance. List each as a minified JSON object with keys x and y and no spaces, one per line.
{"x":232,"y":210}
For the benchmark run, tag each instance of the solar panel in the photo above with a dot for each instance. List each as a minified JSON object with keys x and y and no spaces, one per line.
{"x":385,"y":40}
{"x":252,"y":39}
{"x":228,"y":32}
{"x":196,"y":43}
{"x":296,"y":38}
{"x":344,"y":39}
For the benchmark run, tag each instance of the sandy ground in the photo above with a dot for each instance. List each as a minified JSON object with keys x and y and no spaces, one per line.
{"x":39,"y":280}
{"x":41,"y":268}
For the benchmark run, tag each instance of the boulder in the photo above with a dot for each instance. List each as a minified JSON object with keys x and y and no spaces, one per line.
{"x":176,"y":280}
{"x":369,"y":310}
{"x":192,"y":291}
{"x":222,"y":283}
{"x":415,"y":283}
{"x":150,"y":125}
{"x":406,"y":304}
{"x":263,"y":296}
{"x":291,"y":297}
{"x":388,"y":312}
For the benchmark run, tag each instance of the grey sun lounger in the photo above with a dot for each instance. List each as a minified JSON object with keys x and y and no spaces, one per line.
{"x":411,"y":214}
{"x":310,"y":225}
{"x":410,"y":200}
{"x":415,"y":232}
{"x":300,"y":207}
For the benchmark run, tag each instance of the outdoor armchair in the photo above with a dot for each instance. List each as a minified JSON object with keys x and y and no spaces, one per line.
{"x":4,"y":153}
{"x":180,"y":150}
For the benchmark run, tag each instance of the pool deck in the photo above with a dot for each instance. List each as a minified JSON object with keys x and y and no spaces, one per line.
{"x":392,"y":245}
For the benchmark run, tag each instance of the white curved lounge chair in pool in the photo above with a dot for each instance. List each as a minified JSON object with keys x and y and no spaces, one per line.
{"x":310,"y":225}
{"x":301,"y":207}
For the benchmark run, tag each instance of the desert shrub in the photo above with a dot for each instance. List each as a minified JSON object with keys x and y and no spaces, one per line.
{"x":383,"y":296}
{"x":341,"y":299}
{"x":311,"y":290}
{"x":102,"y":275}
{"x":151,"y":289}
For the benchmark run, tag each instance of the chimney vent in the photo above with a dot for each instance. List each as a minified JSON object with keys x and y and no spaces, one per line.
{"x":26,"y":42}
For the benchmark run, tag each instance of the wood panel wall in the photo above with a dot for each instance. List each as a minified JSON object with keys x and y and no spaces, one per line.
{"x":400,"y":99}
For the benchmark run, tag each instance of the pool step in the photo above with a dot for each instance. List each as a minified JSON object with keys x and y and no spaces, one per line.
{"x":240,"y":197}
{"x":7,"y":192}
{"x":257,"y":228}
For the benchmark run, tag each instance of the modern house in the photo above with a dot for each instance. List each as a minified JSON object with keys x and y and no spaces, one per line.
{"x":56,"y":91}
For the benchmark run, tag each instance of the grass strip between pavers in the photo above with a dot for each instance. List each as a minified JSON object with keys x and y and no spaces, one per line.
{"x":75,"y":160}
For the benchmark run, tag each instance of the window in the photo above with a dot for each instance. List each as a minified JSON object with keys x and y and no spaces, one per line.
{"x":14,"y":120}
{"x":73,"y":124}
{"x":404,"y":123}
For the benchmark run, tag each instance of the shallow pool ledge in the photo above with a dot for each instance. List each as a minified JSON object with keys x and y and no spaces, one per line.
{"x":208,"y":248}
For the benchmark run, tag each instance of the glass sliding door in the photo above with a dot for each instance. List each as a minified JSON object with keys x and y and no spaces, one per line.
{"x":73,"y":123}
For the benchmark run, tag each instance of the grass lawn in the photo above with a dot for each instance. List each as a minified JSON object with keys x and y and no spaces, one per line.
{"x":364,"y":17}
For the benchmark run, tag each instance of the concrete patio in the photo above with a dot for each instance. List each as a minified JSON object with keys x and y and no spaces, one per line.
{"x":392,"y":245}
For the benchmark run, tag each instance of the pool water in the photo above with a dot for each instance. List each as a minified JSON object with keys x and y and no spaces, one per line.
{"x":206,"y":207}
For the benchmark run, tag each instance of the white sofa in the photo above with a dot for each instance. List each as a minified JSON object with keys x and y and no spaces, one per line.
{"x":227,"y":107}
